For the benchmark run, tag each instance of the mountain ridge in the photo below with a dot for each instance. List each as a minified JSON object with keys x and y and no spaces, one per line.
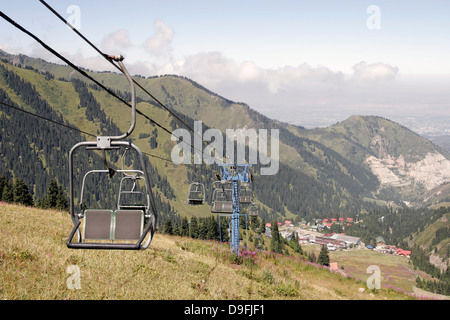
{"x":327,"y":165}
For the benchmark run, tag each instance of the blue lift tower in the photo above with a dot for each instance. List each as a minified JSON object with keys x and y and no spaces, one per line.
{"x":235,"y":173}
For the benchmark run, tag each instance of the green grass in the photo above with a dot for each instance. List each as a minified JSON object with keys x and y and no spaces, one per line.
{"x":34,"y":262}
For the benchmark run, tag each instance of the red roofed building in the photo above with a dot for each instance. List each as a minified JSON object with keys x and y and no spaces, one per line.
{"x":349,"y":219}
{"x":402,"y":252}
{"x":325,"y":220}
{"x":268,"y":225}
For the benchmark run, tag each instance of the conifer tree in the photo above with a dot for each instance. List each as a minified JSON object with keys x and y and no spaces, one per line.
{"x":275,"y":245}
{"x":224,"y":231}
{"x":294,"y":244}
{"x":194,"y":231}
{"x":21,"y":193}
{"x":52,"y":194}
{"x":54,"y":198}
{"x":212,"y":229}
{"x":202,"y":230}
{"x":7,"y":193}
{"x":312,"y":257}
{"x":3,"y":182}
{"x":168,"y":226}
{"x":185,"y":227}
{"x":324,"y":258}
{"x":176,"y":229}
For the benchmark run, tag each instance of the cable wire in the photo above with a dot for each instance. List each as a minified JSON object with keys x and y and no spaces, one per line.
{"x":82,"y":72}
{"x":106,"y":57}
{"x":15,"y":24}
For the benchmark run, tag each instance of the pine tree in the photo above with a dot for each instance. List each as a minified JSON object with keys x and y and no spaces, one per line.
{"x":3,"y":182}
{"x":168,"y":227}
{"x":52,"y":194}
{"x":324,"y":258}
{"x":275,"y":245}
{"x":212,"y":229}
{"x":7,"y":194}
{"x":194,"y":228}
{"x":176,"y":229}
{"x":202,"y":230}
{"x":294,"y":244}
{"x":185,"y":227}
{"x":21,"y":193}
{"x":224,"y":231}
{"x":54,"y":198}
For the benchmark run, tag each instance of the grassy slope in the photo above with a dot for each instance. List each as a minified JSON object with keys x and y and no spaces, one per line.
{"x":34,"y":261}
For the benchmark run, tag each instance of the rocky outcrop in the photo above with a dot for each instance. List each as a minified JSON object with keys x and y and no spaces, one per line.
{"x":433,"y":170}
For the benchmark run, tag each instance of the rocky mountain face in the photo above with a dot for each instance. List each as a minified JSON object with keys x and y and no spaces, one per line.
{"x":432,"y":171}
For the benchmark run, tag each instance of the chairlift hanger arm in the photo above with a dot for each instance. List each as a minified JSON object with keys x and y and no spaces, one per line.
{"x":119,"y":59}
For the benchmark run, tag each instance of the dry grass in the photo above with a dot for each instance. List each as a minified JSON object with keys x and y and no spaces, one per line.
{"x":34,"y":261}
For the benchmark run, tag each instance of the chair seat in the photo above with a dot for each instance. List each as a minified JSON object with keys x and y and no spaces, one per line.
{"x":129,"y":224}
{"x":113,"y":225}
{"x":97,"y":224}
{"x":223,"y":206}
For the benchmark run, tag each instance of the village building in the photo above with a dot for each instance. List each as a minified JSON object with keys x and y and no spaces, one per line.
{"x":334,"y":266}
{"x":329,"y":242}
{"x":288,"y":223}
{"x":380,"y":241}
{"x":401,"y":252}
{"x":347,"y":239}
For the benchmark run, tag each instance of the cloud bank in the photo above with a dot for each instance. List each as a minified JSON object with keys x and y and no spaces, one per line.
{"x":291,"y":91}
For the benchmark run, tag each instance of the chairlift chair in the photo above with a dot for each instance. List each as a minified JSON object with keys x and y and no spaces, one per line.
{"x":196,"y":193}
{"x":132,"y":192}
{"x":245,"y":194}
{"x":128,"y":226}
{"x":253,"y":212}
{"x":222,"y":197}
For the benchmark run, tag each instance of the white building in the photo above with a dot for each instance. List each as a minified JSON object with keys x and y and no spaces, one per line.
{"x":347,"y":239}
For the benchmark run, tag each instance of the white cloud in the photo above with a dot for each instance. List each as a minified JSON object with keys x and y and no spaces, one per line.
{"x":160,"y":43}
{"x":376,"y":72}
{"x":116,"y":42}
{"x":216,"y":71}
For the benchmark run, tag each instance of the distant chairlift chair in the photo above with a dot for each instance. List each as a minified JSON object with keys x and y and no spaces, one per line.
{"x":253,"y":212}
{"x":129,"y":226}
{"x":196,"y":193}
{"x":245,"y":194}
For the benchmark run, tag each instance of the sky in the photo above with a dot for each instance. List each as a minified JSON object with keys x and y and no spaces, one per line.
{"x":311,"y":63}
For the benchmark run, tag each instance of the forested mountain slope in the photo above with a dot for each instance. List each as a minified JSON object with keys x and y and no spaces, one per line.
{"x":335,"y":171}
